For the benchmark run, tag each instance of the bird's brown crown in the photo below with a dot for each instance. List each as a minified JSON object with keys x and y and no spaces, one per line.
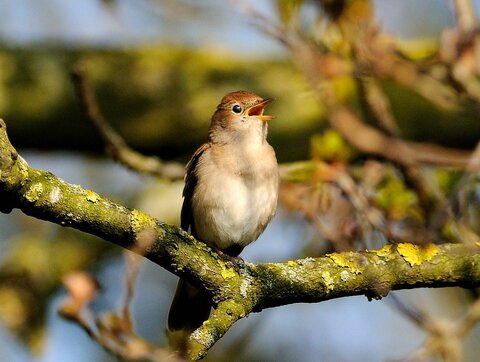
{"x":243,"y":97}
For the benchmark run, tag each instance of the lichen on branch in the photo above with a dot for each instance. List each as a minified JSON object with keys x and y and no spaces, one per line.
{"x":245,"y":288}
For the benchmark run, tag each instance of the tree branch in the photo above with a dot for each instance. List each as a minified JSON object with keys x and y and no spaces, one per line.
{"x":114,"y":143}
{"x":380,"y":59}
{"x":236,"y":293}
{"x":465,"y":15}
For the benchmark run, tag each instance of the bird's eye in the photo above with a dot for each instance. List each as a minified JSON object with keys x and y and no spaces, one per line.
{"x":236,"y":108}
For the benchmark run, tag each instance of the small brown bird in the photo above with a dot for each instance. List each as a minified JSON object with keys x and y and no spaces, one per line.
{"x":230,"y":193}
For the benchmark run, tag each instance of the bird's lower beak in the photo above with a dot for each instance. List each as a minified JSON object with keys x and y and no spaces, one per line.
{"x":257,"y":110}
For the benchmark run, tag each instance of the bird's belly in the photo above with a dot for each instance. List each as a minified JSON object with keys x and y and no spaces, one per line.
{"x":233,"y":211}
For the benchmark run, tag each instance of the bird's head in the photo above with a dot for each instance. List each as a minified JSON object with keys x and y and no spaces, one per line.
{"x":239,"y":116}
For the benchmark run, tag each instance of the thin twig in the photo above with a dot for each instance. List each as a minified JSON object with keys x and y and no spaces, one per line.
{"x":412,"y":313}
{"x":384,"y":62}
{"x":473,"y":164}
{"x":112,"y":331}
{"x":115,"y":145}
{"x":465,"y":15}
{"x":379,"y":105}
{"x":132,"y":268}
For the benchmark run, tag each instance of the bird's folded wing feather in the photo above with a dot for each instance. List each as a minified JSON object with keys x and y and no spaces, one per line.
{"x":186,"y":216}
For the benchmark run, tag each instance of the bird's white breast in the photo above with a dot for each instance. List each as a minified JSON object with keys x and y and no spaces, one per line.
{"x":235,"y":206}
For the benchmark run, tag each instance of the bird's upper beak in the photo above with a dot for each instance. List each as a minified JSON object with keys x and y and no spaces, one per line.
{"x":257,"y":110}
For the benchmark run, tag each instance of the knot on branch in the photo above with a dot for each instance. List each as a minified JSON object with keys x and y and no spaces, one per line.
{"x":8,"y":159}
{"x":8,"y":155}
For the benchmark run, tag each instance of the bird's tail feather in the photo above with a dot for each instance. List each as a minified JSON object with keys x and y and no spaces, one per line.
{"x":190,"y":307}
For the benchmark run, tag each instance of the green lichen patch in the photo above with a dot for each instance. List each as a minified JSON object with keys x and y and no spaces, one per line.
{"x":246,"y":282}
{"x":200,"y":336}
{"x":344,"y":275}
{"x":55,"y":195}
{"x":417,"y":254}
{"x":34,"y":192}
{"x":22,"y":167}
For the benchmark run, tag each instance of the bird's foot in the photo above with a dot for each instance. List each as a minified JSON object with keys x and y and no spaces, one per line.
{"x":237,"y":262}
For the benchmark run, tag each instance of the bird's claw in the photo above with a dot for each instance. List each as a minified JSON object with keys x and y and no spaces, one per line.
{"x":237,"y":262}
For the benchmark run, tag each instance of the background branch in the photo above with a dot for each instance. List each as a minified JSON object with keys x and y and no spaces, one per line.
{"x":465,"y":15}
{"x":114,"y":143}
{"x":113,"y":331}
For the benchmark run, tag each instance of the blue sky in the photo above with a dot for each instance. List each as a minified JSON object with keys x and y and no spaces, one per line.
{"x":88,"y":22}
{"x":210,"y":23}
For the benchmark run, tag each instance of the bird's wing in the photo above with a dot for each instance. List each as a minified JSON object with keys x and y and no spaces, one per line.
{"x":186,"y":216}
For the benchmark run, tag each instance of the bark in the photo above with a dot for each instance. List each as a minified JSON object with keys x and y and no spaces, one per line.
{"x":237,"y":289}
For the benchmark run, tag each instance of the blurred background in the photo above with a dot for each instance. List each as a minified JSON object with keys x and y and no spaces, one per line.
{"x":158,"y":68}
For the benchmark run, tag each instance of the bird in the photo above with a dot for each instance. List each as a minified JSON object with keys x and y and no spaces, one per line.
{"x":230,"y":193}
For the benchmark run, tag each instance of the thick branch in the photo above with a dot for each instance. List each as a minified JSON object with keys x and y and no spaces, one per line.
{"x":372,"y":273}
{"x":257,"y":286}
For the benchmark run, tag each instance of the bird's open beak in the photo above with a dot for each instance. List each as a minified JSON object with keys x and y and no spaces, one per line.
{"x":257,"y":110}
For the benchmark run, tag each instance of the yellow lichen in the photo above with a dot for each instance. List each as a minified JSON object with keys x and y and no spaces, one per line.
{"x":327,"y":280}
{"x":227,"y":273}
{"x":291,"y":263}
{"x":92,"y":196}
{"x":417,"y":254}
{"x":346,"y":261}
{"x":385,"y":251}
{"x":137,"y":220}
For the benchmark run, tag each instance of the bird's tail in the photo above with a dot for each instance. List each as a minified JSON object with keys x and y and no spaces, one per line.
{"x":190,"y":307}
